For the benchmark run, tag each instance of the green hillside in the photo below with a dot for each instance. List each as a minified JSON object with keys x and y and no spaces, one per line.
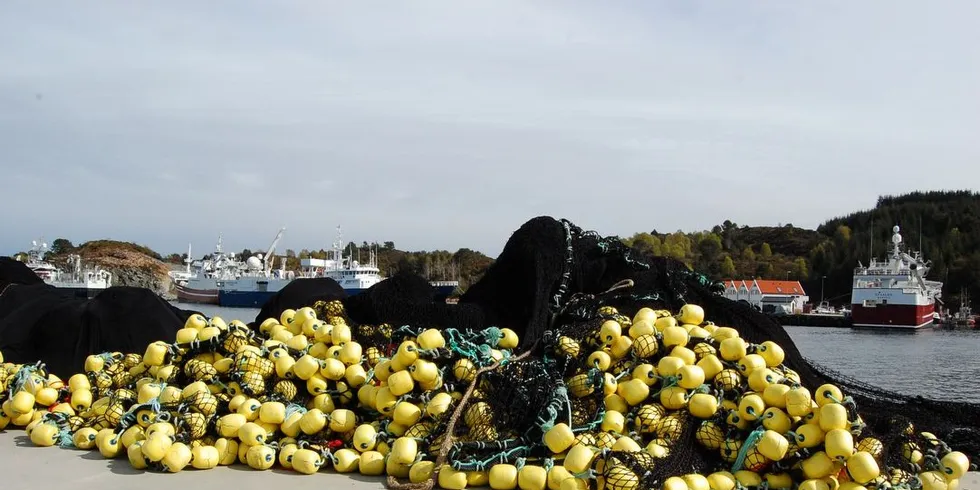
{"x":944,"y":225}
{"x":949,"y":222}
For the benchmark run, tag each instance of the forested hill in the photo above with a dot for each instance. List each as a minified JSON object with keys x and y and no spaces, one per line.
{"x":947,"y":224}
{"x":950,"y":236}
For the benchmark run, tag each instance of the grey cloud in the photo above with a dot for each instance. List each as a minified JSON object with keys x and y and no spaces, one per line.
{"x":442,"y":124}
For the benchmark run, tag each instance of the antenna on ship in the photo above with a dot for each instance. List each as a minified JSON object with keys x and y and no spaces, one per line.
{"x":871,"y":249}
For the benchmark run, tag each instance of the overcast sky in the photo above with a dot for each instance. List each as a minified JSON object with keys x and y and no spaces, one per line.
{"x":447,"y":124}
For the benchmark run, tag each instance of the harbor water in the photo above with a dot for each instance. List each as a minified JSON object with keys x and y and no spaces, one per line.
{"x":938,"y":364}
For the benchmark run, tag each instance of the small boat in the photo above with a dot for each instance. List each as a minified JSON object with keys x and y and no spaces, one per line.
{"x":224,"y":280}
{"x":962,"y":318}
{"x":824,"y":309}
{"x":84,"y":282}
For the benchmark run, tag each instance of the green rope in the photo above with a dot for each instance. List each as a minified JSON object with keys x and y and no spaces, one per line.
{"x":482,"y":465}
{"x":65,"y":438}
{"x":20,"y":379}
{"x":493,"y":336}
{"x":746,"y":446}
{"x":667,"y":382}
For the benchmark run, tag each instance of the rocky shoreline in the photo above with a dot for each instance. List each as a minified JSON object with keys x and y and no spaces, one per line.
{"x":161,"y":285}
{"x":128,"y":266}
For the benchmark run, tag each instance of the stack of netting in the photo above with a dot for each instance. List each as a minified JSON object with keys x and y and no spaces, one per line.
{"x":656,"y":400}
{"x":656,"y":382}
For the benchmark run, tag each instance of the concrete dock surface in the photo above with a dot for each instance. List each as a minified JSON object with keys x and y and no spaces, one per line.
{"x":25,"y":466}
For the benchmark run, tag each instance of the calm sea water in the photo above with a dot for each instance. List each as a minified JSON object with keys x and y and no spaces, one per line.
{"x":939,"y":364}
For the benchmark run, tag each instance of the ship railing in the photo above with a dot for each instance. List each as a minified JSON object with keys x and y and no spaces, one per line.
{"x":444,"y":283}
{"x":881,"y":272}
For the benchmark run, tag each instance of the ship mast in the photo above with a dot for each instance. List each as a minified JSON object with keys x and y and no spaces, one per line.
{"x":871,"y":248}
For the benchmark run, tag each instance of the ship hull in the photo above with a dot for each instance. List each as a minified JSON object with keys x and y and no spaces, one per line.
{"x":81,"y":292}
{"x":256,"y":299}
{"x":244,"y":299}
{"x":907,"y":317}
{"x":199,"y":296}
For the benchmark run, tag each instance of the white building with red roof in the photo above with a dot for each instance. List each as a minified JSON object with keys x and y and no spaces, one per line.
{"x":786,"y":295}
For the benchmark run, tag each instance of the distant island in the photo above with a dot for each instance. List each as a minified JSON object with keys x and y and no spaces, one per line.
{"x":944,"y":225}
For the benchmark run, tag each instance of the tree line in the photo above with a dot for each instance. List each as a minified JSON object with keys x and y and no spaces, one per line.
{"x":943,"y":225}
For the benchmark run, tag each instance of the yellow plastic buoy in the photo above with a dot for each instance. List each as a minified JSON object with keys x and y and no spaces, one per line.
{"x":690,"y":376}
{"x":798,"y":402}
{"x":503,"y":477}
{"x":839,"y":444}
{"x":451,"y":479}
{"x":862,"y":467}
{"x":955,"y":464}
{"x":372,"y":463}
{"x":827,"y":394}
{"x":531,"y":477}
{"x":260,"y":457}
{"x":772,"y":353}
{"x":346,"y":461}
{"x":204,"y":457}
{"x":773,"y":445}
{"x":135,"y":456}
{"x":691,"y":314}
{"x":833,"y":416}
{"x":559,"y":438}
{"x":177,"y":458}
{"x":933,"y":480}
{"x":578,"y":459}
{"x":306,"y":461}
{"x":819,"y":465}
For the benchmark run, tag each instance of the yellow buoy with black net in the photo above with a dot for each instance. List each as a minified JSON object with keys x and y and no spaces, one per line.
{"x":310,"y":392}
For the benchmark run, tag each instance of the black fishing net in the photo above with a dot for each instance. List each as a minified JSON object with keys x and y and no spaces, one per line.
{"x":16,"y":272}
{"x":556,"y":284}
{"x":61,"y":331}
{"x":581,"y":369}
{"x":409,"y":299}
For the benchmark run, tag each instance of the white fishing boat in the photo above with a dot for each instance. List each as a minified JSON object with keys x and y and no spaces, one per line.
{"x":894,"y":293}
{"x":82,"y":281}
{"x":224,"y":280}
{"x":224,"y":276}
{"x":355,"y":276}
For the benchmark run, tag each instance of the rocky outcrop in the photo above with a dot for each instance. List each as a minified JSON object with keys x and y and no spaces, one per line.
{"x":130,"y":268}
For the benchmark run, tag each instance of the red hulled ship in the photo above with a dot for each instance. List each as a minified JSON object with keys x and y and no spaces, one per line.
{"x":894,"y":293}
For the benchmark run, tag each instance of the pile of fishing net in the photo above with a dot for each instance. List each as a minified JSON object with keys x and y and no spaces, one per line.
{"x":656,"y":400}
{"x":44,"y":323}
{"x":573,"y":364}
{"x":16,"y":272}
